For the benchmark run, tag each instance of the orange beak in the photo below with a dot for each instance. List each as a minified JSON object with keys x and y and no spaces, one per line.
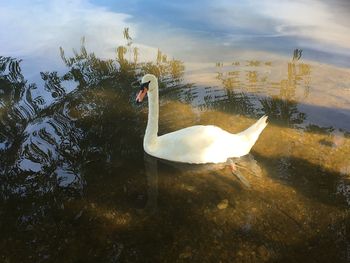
{"x":141,"y":95}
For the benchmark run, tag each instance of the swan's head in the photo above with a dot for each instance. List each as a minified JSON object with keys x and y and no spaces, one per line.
{"x":149,"y":84}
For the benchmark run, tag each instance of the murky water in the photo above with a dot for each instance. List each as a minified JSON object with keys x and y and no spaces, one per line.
{"x":76,"y":185}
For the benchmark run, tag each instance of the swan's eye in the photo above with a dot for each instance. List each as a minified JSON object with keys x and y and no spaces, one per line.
{"x":145,"y":85}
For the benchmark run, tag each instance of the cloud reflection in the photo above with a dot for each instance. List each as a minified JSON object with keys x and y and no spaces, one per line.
{"x":43,"y":26}
{"x":314,"y":24}
{"x":36,"y":30}
{"x":176,"y":28}
{"x":312,"y":20}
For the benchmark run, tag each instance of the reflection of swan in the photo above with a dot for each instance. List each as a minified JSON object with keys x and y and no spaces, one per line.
{"x":195,"y":144}
{"x":151,"y":166}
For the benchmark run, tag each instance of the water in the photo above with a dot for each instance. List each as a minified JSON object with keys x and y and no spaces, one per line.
{"x":75,"y":184}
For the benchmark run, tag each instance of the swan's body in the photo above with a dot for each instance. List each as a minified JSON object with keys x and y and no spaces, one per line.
{"x":196,"y":144}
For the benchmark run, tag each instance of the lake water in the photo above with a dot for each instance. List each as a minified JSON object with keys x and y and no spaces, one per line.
{"x":75,"y":183}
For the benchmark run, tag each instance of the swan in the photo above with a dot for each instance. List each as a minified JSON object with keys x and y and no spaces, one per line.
{"x":200,"y":144}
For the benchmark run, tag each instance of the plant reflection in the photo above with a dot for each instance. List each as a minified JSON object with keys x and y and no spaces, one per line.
{"x":242,"y":87}
{"x":45,"y":135}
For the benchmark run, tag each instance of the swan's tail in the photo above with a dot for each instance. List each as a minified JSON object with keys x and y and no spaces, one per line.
{"x":252,"y":133}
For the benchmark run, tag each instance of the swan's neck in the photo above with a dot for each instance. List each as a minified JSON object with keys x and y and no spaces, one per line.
{"x":151,"y":134}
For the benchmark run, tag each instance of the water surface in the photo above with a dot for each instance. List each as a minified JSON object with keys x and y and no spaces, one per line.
{"x":75,"y":183}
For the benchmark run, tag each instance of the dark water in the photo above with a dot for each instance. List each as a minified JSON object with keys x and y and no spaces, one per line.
{"x":76,"y":186}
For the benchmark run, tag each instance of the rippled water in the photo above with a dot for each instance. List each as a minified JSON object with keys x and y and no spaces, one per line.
{"x":76,"y":185}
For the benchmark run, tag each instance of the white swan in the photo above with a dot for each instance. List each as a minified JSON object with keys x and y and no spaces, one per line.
{"x":196,"y":144}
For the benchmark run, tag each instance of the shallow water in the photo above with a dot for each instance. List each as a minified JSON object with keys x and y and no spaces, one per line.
{"x":76,"y":186}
